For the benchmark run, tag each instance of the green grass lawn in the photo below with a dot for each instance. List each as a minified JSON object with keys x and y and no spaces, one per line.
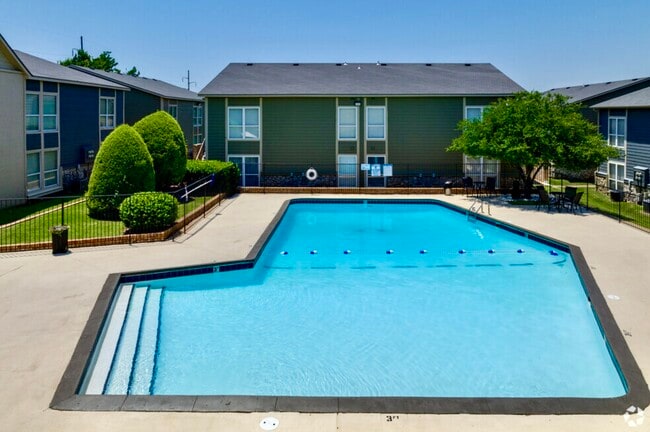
{"x":75,"y":215}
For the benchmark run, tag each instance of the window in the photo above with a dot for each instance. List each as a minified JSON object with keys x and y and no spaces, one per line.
{"x":106,"y":112}
{"x":616,"y":175}
{"x":376,"y":123}
{"x":197,"y":123}
{"x":479,"y":168}
{"x":49,"y":112}
{"x":44,"y":178}
{"x":474,"y":112}
{"x":33,"y":171}
{"x":197,"y":115}
{"x":249,"y":169}
{"x":172,"y":109}
{"x":32,"y":112}
{"x":348,"y":123}
{"x":617,"y":131}
{"x":244,"y":123}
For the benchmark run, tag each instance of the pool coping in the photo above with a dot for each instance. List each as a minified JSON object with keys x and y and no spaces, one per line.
{"x":67,"y":399}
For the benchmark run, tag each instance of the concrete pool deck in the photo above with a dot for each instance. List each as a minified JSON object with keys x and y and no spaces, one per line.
{"x":45,"y":301}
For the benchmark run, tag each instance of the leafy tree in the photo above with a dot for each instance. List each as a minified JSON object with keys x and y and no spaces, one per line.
{"x":122,"y":166}
{"x":133,"y":72}
{"x":166,"y":143}
{"x":105,"y":61}
{"x":532,"y":130}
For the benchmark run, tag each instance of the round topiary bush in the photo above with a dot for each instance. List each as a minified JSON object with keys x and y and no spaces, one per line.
{"x":166,"y":143}
{"x":122,"y":166}
{"x":149,"y":211}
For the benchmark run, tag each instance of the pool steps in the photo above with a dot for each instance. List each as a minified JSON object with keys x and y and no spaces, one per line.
{"x":145,"y":357}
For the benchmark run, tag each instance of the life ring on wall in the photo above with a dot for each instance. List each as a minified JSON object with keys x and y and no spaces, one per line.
{"x":311,"y":174}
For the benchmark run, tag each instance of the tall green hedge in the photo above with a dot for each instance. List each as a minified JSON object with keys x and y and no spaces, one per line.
{"x":122,"y":166}
{"x":166,"y":143}
{"x":226,"y":174}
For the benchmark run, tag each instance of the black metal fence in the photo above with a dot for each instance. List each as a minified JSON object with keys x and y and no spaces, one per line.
{"x":32,"y":223}
{"x":373,"y":174}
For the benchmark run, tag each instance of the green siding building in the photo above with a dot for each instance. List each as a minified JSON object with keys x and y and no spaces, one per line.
{"x":356,"y":125}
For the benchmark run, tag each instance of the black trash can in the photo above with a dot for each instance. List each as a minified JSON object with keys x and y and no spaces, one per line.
{"x":616,"y":196}
{"x":447,"y":188}
{"x":59,"y":239}
{"x":646,"y":206}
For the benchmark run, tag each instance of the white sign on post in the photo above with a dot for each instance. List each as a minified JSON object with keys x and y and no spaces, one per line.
{"x":365,"y":167}
{"x":388,"y":170}
{"x":375,"y":170}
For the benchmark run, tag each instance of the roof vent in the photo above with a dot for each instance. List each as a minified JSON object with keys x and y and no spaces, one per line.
{"x":296,"y":64}
{"x":339,"y":64}
{"x":249,"y":64}
{"x":358,"y":67}
{"x":382,"y":64}
{"x":608,"y":82}
{"x":345,"y":63}
{"x":586,"y":85}
{"x":468,"y":64}
{"x":428,"y":64}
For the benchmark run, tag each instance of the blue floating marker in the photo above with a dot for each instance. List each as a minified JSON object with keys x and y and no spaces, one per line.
{"x":491,"y":251}
{"x":520,"y":251}
{"x":284,"y":253}
{"x":314,"y":252}
{"x":347,"y":251}
{"x":390,"y":252}
{"x":423,"y":251}
{"x":462,"y":251}
{"x":552,"y":252}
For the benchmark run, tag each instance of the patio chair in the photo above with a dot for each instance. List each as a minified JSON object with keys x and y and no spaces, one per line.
{"x":468,"y":184}
{"x":575,"y":202}
{"x":569,"y":195}
{"x":490,"y":186}
{"x":545,"y":198}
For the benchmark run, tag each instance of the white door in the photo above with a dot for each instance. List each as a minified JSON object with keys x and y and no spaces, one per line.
{"x":347,"y":169}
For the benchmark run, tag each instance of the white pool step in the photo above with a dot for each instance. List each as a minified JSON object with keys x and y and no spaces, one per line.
{"x":108,"y":342}
{"x":120,"y":375}
{"x":145,"y":356}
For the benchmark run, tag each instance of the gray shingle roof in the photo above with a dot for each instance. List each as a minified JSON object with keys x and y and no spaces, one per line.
{"x":636,"y":99}
{"x":587,"y":91}
{"x":147,"y":85}
{"x":359,"y":79}
{"x":43,"y":69}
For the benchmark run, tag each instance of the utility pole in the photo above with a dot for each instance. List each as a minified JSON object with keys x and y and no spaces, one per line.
{"x":188,"y":80}
{"x":82,"y":42}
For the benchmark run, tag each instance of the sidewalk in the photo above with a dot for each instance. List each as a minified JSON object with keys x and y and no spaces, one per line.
{"x":45,"y":301}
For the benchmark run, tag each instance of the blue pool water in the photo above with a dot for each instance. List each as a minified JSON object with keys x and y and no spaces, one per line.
{"x":402,"y":313}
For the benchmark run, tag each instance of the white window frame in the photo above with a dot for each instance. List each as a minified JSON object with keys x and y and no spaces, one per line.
{"x":197,"y":124}
{"x":42,"y":172}
{"x":356,"y":123}
{"x":479,"y":161}
{"x":243,"y":109}
{"x":37,"y":115}
{"x":107,"y":116}
{"x":619,"y":184}
{"x":55,"y":115}
{"x":243,"y":174}
{"x":368,"y":125}
{"x":615,"y":134}
{"x":173,"y":107}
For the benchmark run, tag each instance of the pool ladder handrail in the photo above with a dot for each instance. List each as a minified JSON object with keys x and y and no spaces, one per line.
{"x":476,"y":207}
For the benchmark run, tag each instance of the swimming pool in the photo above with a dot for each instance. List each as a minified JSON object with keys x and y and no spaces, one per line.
{"x":365,"y":299}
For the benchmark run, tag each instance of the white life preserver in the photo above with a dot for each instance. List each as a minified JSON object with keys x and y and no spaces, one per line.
{"x":311,"y":174}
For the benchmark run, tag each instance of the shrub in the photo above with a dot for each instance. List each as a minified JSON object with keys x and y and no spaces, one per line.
{"x":166,"y":143}
{"x":226,"y":174}
{"x":149,"y":211}
{"x":122,"y":166}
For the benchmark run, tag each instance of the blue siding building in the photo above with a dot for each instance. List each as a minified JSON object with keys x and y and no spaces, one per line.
{"x":621,"y":109}
{"x":67,"y":116}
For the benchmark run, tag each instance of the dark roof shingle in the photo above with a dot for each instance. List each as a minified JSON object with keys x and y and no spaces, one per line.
{"x":147,"y":85}
{"x":359,"y":79}
{"x":43,"y":69}
{"x":636,"y":99}
{"x":588,"y":91}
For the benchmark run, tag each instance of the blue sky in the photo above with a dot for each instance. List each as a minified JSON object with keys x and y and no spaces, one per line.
{"x":539,"y":44}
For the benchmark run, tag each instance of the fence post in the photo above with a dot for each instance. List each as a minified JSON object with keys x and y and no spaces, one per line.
{"x":62,"y":211}
{"x":185,"y":215}
{"x":587,"y":184}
